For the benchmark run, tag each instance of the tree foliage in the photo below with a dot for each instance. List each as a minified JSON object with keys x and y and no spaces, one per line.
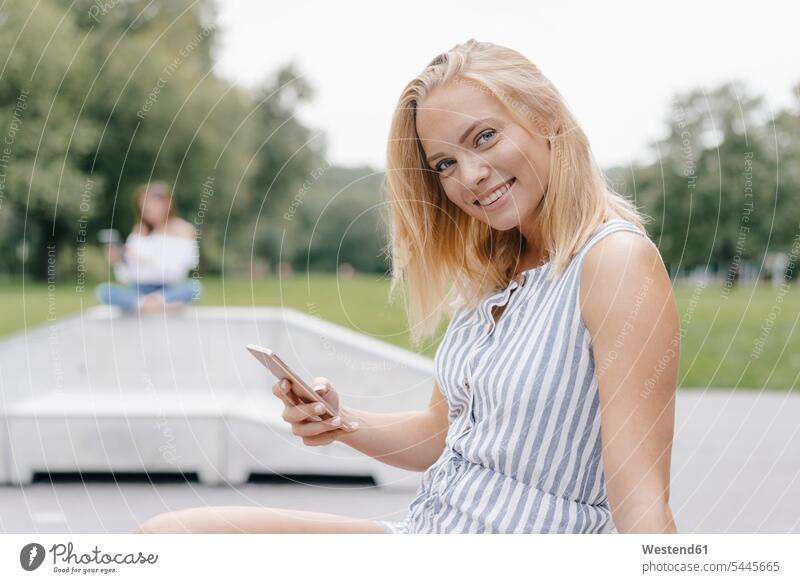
{"x":99,"y":97}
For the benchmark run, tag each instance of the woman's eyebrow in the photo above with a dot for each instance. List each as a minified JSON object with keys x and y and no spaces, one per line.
{"x":463,"y":136}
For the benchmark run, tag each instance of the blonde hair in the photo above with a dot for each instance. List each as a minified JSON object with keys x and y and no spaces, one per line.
{"x":438,"y":249}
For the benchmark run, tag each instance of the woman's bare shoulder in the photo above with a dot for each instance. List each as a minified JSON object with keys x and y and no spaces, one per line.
{"x":181,"y":228}
{"x":617,"y":271}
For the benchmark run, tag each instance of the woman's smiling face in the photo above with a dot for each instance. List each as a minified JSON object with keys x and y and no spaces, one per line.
{"x":475,"y":146}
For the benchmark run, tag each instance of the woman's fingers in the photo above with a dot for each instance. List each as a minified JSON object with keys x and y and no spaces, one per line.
{"x":310,"y":428}
{"x":297,"y":413}
{"x":326,"y":392}
{"x":301,"y":414}
{"x":321,"y":382}
{"x":282,"y":390}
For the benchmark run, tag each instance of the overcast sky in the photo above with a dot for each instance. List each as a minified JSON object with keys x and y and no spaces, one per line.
{"x":616,"y":63}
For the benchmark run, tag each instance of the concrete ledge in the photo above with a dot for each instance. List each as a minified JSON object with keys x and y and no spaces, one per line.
{"x":106,"y":391}
{"x":4,"y":451}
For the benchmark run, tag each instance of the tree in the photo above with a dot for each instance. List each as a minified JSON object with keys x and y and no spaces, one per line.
{"x":45,"y":185}
{"x":711,"y":190}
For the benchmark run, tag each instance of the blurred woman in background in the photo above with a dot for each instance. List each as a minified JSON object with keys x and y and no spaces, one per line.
{"x":152,"y":267}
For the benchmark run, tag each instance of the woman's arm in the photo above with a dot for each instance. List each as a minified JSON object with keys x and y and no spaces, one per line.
{"x":184,"y":251}
{"x":630,"y":312}
{"x":411,"y":440}
{"x":122,"y":265}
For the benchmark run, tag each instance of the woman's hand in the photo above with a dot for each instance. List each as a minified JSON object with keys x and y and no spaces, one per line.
{"x":297,"y":413}
{"x":114,"y":253}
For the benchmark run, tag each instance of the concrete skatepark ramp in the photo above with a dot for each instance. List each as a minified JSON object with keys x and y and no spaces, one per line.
{"x":106,"y":392}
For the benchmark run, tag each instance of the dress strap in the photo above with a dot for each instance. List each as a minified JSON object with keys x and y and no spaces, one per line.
{"x":606,"y":229}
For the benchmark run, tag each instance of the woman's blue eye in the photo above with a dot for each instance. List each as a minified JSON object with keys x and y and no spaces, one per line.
{"x":438,"y":167}
{"x":487,"y":132}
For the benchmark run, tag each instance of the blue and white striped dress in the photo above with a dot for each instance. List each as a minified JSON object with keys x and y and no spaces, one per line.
{"x":523,"y":451}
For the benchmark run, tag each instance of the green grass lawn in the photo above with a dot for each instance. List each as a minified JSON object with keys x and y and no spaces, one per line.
{"x":748,"y":338}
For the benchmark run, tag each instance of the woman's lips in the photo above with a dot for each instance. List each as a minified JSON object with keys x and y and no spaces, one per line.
{"x":510,"y":184}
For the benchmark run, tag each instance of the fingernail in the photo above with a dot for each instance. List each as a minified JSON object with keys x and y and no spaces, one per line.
{"x":318,"y":408}
{"x":284,"y":384}
{"x":336,"y":420}
{"x":354,"y":425}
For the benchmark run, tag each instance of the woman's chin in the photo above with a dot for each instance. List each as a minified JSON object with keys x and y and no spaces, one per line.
{"x":506,"y":222}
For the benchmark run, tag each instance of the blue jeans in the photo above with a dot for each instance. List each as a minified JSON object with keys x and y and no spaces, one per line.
{"x":127,"y":296}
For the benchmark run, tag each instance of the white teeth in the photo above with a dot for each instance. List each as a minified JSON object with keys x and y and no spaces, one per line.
{"x":495,"y":195}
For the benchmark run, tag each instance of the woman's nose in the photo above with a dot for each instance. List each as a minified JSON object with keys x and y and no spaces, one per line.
{"x":475,"y":172}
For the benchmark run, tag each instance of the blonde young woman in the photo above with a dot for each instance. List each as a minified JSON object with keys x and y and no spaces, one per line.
{"x":553,"y":409}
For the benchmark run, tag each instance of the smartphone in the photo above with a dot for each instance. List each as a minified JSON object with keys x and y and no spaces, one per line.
{"x":281,"y":371}
{"x":109,"y":237}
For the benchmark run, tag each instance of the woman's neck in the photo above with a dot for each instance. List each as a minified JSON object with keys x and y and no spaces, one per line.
{"x":529,"y":261}
{"x":534,"y":253}
{"x":159,"y":228}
